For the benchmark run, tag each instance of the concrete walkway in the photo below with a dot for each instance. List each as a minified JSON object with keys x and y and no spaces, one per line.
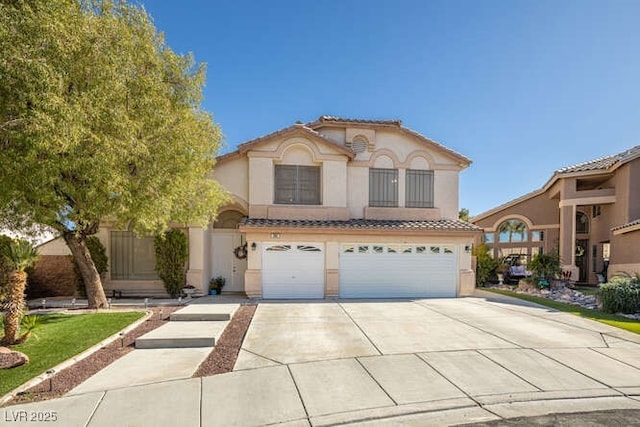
{"x":424,"y":362}
{"x":171,"y":352}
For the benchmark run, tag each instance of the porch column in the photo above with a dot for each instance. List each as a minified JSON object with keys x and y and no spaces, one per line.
{"x":195,"y":272}
{"x":568,"y":240}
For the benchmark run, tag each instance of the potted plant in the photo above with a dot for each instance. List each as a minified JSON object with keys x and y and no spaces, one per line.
{"x":501,"y":269}
{"x":545,"y":267}
{"x":189,"y":290}
{"x":216,"y":284}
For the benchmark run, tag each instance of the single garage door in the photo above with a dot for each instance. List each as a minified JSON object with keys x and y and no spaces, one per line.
{"x":398,"y":270}
{"x":292,"y":270}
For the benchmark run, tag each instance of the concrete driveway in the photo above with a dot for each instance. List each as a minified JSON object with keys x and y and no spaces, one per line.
{"x":423,"y":362}
{"x":475,"y":358}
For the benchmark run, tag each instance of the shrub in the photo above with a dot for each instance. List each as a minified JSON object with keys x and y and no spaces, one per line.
{"x":4,"y":267}
{"x":100,"y":260}
{"x":621,"y":294}
{"x":545,"y":266}
{"x":485,"y":264}
{"x":172,"y":252}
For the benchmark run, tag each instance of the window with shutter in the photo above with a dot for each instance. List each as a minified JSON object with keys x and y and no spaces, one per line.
{"x":297,"y":185}
{"x":419,"y":189}
{"x":383,"y":187}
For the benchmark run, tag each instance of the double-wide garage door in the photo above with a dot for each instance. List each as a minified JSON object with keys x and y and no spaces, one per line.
{"x":293,"y":270}
{"x":398,"y":270}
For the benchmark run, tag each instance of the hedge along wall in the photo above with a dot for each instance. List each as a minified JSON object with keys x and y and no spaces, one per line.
{"x":52,"y":276}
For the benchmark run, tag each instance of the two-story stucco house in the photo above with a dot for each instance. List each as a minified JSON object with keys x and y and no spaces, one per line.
{"x":332,"y":208}
{"x":589,"y":212}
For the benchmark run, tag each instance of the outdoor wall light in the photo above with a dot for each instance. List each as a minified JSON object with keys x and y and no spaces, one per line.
{"x":253,"y":246}
{"x":467,"y":248}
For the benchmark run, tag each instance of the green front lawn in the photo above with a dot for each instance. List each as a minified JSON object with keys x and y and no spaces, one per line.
{"x":610,"y":319}
{"x":60,"y":337}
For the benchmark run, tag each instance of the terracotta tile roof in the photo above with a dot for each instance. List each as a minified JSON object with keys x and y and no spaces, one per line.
{"x":627,"y":225}
{"x":366,"y":224}
{"x":324,"y":119}
{"x":602,"y":163}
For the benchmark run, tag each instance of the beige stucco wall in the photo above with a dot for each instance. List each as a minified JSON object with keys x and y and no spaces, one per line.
{"x":234,"y":176}
{"x":54,"y":247}
{"x":446,"y":193}
{"x":625,"y":248}
{"x":358,"y":191}
{"x":634,"y":190}
{"x":261,"y":181}
{"x":334,"y":183}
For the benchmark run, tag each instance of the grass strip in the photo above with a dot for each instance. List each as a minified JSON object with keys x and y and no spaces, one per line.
{"x":60,"y":337}
{"x":597,"y":315}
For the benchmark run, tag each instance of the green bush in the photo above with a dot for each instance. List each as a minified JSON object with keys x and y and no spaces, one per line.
{"x":100,"y":260}
{"x":4,"y":268}
{"x":545,"y":266}
{"x":485,"y":264}
{"x":621,"y":294}
{"x":172,"y":252}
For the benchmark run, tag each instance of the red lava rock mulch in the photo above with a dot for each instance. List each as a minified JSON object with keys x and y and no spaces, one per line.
{"x":67,"y":379}
{"x":224,"y":354}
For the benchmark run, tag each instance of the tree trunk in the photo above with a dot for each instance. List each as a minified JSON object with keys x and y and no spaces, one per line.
{"x":90,"y":276}
{"x":14,"y":307}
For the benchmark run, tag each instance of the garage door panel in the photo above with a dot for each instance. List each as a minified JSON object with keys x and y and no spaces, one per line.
{"x":398,"y":271}
{"x":293,"y":270}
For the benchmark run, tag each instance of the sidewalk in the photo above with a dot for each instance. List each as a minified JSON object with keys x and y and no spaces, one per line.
{"x":273,"y":395}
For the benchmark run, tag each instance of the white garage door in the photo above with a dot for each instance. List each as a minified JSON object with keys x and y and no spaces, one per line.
{"x":398,"y":271}
{"x":292,"y":270}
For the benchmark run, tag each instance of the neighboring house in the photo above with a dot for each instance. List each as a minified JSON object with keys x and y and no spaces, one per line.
{"x":332,"y":208}
{"x":589,"y":212}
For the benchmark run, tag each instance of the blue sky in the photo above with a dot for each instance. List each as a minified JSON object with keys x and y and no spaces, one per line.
{"x":520,"y":87}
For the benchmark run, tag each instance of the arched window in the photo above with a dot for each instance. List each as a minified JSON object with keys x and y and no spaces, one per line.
{"x":512,"y":230}
{"x":582,"y":223}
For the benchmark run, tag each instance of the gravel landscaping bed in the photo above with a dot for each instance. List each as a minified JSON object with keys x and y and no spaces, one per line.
{"x":558,"y":292}
{"x":223,"y":356}
{"x":64,"y":381}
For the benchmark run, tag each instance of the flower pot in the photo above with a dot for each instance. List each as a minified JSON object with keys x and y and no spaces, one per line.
{"x":218,"y":291}
{"x":212,"y":291}
{"x":501,"y":278}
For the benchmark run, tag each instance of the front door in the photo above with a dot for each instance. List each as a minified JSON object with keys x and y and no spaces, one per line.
{"x":225,"y":260}
{"x":582,"y":258}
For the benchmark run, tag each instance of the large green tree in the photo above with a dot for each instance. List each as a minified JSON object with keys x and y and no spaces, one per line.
{"x":99,"y":121}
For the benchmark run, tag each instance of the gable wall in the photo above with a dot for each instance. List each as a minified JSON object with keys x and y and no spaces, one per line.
{"x":345,"y":183}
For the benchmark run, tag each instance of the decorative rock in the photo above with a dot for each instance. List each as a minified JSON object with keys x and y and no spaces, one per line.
{"x":558,"y":292}
{"x":11,"y":359}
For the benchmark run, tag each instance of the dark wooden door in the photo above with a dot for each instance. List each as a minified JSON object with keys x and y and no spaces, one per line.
{"x":582,"y":258}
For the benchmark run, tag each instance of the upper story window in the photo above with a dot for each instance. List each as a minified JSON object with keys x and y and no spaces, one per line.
{"x":297,"y":185}
{"x":419,"y":189}
{"x":383,"y":187}
{"x":582,"y":223}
